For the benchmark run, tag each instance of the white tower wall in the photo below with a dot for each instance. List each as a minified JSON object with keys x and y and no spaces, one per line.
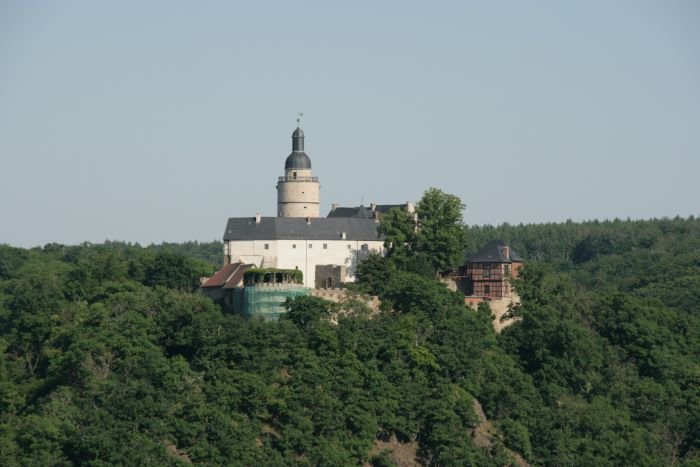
{"x":298,"y":195}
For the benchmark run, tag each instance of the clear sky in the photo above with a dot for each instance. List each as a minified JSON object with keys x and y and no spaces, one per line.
{"x":151,"y":121}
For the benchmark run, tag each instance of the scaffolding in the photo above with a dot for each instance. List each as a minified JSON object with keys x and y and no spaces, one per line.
{"x":266,"y":301}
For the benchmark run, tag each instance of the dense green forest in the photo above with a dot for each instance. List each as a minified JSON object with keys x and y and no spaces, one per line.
{"x":111,"y":356}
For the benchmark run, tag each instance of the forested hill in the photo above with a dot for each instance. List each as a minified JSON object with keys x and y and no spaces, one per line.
{"x":110,"y":356}
{"x":656,"y":258}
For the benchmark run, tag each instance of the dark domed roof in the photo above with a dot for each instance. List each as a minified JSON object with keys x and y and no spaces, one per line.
{"x":298,"y":160}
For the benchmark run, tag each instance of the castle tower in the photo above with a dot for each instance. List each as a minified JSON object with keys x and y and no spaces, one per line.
{"x":298,"y":192}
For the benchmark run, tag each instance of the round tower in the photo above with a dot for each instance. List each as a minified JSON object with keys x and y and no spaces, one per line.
{"x":298,"y":192}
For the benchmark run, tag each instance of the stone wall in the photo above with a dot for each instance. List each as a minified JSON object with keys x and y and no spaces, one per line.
{"x":499,"y":308}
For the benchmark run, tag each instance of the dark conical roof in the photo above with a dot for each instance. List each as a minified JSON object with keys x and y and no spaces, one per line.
{"x":298,"y":158}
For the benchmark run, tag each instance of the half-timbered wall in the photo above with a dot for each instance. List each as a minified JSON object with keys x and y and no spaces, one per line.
{"x":490,"y":279}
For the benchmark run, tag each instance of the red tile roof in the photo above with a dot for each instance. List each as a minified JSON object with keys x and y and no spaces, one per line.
{"x":237,"y":278}
{"x":222,"y":276}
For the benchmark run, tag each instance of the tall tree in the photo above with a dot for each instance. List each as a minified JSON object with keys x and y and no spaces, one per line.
{"x":441,"y":236}
{"x":399,"y":230}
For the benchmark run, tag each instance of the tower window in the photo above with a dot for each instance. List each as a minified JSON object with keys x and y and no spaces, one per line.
{"x":294,"y":175}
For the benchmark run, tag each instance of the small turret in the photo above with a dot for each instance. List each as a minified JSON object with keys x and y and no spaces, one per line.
{"x":298,"y":158}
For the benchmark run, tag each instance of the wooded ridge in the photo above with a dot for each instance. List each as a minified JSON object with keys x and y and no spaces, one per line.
{"x":110,"y":355}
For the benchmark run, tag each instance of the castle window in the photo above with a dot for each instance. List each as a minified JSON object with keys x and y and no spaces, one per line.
{"x":267,"y":246}
{"x":365,"y":247}
{"x":506,"y":270}
{"x":325,"y":246}
{"x":487,"y":270}
{"x":349,"y":246}
{"x":294,"y":245}
{"x":311,"y":245}
{"x":295,"y":175}
{"x":487,"y":289}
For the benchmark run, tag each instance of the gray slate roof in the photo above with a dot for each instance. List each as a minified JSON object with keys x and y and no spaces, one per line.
{"x":493,"y":252}
{"x":384,"y":208}
{"x":363,"y":212}
{"x":297,"y":160}
{"x":357,"y":212}
{"x":297,"y":228}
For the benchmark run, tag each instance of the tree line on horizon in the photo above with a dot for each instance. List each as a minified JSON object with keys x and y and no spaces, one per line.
{"x":111,"y":356}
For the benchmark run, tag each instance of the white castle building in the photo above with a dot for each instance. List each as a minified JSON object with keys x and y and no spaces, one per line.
{"x":326,"y":250}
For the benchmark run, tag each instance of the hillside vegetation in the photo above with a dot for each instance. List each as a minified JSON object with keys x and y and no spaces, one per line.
{"x":111,"y":356}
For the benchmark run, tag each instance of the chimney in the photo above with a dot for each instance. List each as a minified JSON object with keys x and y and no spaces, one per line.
{"x":308,"y":221}
{"x":258,"y":217}
{"x":410,"y":208}
{"x":373,"y":206}
{"x":506,"y":252}
{"x":343,"y":235}
{"x":334,"y":206}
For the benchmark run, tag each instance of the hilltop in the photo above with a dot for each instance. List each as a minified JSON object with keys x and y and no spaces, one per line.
{"x":110,"y":355}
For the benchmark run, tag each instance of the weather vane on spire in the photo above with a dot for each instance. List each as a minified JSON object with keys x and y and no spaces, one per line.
{"x":299,"y":115}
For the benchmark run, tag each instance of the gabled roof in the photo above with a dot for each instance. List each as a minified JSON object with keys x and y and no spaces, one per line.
{"x":299,"y":228}
{"x":359,"y":212}
{"x":364,"y":212}
{"x":229,"y":276}
{"x":237,"y":278}
{"x":384,"y":208}
{"x":221,"y":276}
{"x":495,"y":252}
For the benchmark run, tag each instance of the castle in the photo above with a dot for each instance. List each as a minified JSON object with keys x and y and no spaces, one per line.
{"x":326,"y":250}
{"x":297,"y":251}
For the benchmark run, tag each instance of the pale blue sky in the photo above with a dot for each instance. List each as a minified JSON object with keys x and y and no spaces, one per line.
{"x":156,"y":121}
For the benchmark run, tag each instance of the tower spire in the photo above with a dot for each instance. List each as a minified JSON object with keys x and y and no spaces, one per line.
{"x":298,"y":136}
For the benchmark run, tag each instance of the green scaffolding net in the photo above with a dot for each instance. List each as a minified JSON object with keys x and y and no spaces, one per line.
{"x":267,"y":301}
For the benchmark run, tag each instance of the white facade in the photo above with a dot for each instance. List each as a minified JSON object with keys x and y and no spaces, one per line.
{"x":265,"y":241}
{"x":304,"y":255}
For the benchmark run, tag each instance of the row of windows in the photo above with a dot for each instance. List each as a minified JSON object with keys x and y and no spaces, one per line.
{"x":325,"y":246}
{"x":487,"y":270}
